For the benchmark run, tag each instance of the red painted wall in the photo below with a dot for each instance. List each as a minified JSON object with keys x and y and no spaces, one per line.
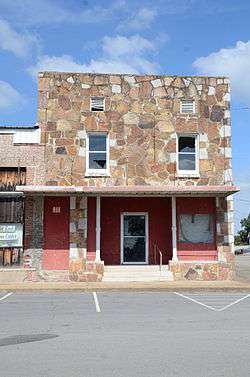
{"x":200,"y":251}
{"x":56,"y":234}
{"x":159,"y":216}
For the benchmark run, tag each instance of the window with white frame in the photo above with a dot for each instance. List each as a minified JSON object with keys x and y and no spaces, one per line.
{"x":187,"y":106}
{"x":97,"y":158}
{"x":196,"y":228}
{"x":97,"y":103}
{"x":187,"y":154}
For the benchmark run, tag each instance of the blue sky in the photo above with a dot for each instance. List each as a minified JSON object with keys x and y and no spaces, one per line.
{"x":185,"y":37}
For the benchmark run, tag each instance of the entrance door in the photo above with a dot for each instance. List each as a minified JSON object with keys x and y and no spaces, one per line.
{"x":134,"y":238}
{"x":56,"y":233}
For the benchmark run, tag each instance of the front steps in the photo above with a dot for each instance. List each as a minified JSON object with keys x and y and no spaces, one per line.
{"x":137,"y":273}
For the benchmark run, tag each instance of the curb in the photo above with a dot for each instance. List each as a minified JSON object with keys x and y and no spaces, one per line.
{"x":127,"y":286}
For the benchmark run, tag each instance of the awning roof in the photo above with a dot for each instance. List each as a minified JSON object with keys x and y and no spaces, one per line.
{"x":131,"y":190}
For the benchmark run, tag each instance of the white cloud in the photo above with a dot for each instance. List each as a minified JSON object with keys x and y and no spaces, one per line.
{"x":233,"y":62}
{"x":118,"y":55}
{"x":122,"y":46}
{"x":9,"y":97}
{"x":18,"y":44}
{"x":141,"y":19}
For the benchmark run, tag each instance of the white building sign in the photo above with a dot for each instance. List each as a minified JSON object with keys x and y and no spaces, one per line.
{"x":11,"y":235}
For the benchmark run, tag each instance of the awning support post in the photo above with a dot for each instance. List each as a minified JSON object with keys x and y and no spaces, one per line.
{"x":174,"y":230}
{"x":98,"y":229}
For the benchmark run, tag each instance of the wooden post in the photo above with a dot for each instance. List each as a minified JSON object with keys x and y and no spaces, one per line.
{"x":174,"y":237}
{"x":98,"y":229}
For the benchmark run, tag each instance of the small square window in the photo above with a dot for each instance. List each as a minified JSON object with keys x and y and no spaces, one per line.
{"x":97,"y":153}
{"x":97,"y":103}
{"x":187,"y":106}
{"x":187,"y":154}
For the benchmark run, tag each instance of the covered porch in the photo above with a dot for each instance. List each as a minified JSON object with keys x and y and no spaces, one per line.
{"x":141,"y":225}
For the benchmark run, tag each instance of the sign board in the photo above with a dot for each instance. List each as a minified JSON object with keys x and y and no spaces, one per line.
{"x":11,"y":235}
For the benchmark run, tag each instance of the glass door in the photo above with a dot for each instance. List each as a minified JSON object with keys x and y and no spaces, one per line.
{"x":134,"y":242}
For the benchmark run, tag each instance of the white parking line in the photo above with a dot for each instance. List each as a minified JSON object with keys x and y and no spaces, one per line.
{"x":233,"y":303}
{"x":195,"y":301}
{"x":211,"y":307}
{"x":97,"y":306}
{"x":5,"y":296}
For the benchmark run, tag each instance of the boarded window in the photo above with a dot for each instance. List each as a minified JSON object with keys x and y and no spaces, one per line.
{"x":11,"y":177}
{"x":11,"y":210}
{"x":197,"y":228}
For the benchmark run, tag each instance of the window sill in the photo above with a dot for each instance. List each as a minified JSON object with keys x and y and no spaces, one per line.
{"x":96,"y":175}
{"x":188,"y":175}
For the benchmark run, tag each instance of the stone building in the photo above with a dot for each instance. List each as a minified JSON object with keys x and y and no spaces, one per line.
{"x":136,"y":180}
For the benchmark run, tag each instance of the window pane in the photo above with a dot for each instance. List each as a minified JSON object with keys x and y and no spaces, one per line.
{"x":134,"y":249}
{"x":186,"y":161}
{"x":97,"y":143}
{"x":97,"y":161}
{"x":134,"y":225}
{"x":186,"y":144}
{"x":196,"y":228}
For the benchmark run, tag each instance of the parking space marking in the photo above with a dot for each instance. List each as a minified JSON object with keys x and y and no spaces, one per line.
{"x":6,"y":296}
{"x":97,"y":306}
{"x":210,"y":306}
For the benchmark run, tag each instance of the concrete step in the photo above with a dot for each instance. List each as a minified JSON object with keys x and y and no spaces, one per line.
{"x":135,"y":268}
{"x":137,"y":273}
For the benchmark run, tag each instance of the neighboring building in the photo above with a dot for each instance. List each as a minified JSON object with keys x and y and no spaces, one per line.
{"x":133,"y":168}
{"x":21,"y":162}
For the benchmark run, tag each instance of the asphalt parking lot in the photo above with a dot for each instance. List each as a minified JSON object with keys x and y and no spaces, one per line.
{"x":71,"y":334}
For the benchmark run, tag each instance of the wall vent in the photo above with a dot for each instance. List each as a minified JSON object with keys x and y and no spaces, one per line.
{"x":97,"y":103}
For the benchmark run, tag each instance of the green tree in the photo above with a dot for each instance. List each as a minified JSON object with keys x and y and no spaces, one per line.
{"x":241,"y":236}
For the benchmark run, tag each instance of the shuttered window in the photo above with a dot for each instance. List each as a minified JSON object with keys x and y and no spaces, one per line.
{"x":97,"y":103}
{"x":11,"y":209}
{"x":187,"y":106}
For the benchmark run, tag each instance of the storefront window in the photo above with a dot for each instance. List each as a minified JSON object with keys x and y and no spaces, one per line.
{"x":196,"y":228}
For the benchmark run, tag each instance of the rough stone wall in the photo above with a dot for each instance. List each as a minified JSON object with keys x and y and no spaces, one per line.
{"x":33,"y":236}
{"x":142,"y":116}
{"x":30,"y":156}
{"x":80,"y":269}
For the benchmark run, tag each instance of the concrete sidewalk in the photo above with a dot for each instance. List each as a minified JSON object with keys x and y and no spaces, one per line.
{"x":141,"y":286}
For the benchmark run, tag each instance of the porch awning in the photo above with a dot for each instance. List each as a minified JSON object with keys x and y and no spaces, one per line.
{"x":131,"y":190}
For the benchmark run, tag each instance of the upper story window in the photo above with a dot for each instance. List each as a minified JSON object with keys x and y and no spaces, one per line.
{"x":97,"y":103}
{"x":187,"y":154}
{"x":97,"y":158}
{"x":187,"y":106}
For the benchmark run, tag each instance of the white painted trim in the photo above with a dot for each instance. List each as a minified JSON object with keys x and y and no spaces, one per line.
{"x":188,"y":173}
{"x":122,"y":237}
{"x":97,"y":172}
{"x":174,"y":230}
{"x":98,"y":229}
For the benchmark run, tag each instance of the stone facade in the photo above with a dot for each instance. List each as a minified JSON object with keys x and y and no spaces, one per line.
{"x":143,"y":120}
{"x":80,"y":269}
{"x":142,"y":117}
